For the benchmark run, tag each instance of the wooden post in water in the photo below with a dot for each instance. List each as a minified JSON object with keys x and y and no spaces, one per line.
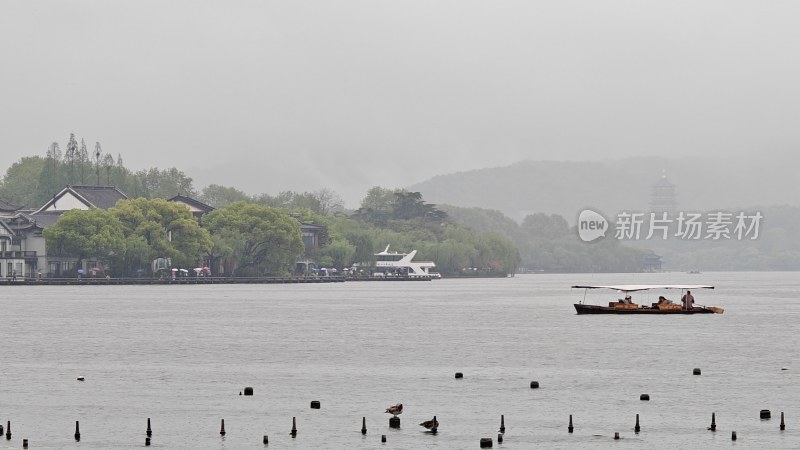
{"x":77,"y":431}
{"x":8,"y":430}
{"x":733,"y":435}
{"x":713,"y":426}
{"x":294,"y":428}
{"x":363,"y":425}
{"x":502,"y":423}
{"x":149,"y":430}
{"x":637,"y":428}
{"x":222,"y":428}
{"x":570,"y":428}
{"x":783,"y":424}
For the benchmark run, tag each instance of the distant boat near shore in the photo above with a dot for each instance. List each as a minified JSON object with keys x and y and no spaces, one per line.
{"x":394,"y":264}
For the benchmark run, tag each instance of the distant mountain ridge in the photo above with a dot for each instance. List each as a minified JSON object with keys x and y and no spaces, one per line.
{"x":566,"y":187}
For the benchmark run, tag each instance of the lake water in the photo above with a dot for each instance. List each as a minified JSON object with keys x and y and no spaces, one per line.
{"x":181,"y":354}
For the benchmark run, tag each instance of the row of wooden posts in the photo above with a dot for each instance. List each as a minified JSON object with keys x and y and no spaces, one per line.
{"x":394,"y":422}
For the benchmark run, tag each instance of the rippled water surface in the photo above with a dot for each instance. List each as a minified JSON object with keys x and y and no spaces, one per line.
{"x":181,"y":354}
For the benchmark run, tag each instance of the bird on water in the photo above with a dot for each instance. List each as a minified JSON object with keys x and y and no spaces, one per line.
{"x":395,"y":410}
{"x":432,"y":424}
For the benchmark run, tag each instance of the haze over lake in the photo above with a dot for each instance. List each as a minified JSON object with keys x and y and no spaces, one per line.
{"x":272,"y":96}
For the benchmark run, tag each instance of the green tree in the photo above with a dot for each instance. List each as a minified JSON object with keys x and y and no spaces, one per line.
{"x":82,"y":159}
{"x":86,"y":233}
{"x":167,"y":183}
{"x":377,"y":206}
{"x":409,"y":205}
{"x":452,"y":256}
{"x":167,"y":227}
{"x":108,"y":164}
{"x":20,"y":184}
{"x":359,"y":236}
{"x":219,"y":196}
{"x":258,"y":239}
{"x":496,"y":254}
{"x":52,"y":177}
{"x":70,"y":157}
{"x":541,"y":225}
{"x":324,"y":202}
{"x":340,"y":253}
{"x":137,"y":255}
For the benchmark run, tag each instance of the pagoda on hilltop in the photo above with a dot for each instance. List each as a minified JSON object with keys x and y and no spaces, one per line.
{"x":662,"y":196}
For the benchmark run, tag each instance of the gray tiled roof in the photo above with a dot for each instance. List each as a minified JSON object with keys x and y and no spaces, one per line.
{"x":190,"y":201}
{"x":102,"y":197}
{"x":6,"y":206}
{"x":46,"y":218}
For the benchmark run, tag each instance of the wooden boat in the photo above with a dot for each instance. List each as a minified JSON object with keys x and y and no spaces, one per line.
{"x":626,"y":306}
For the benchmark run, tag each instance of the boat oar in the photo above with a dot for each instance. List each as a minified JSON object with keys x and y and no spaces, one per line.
{"x":715,"y":309}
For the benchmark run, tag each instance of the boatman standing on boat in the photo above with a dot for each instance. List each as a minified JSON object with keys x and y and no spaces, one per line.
{"x":688,"y":300}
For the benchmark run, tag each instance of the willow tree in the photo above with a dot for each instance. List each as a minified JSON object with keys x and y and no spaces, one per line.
{"x":167,"y":227}
{"x":255,"y":239}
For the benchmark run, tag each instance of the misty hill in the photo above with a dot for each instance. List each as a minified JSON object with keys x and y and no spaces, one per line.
{"x":565,"y":187}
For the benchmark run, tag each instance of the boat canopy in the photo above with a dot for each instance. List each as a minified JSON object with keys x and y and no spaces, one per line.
{"x":644,"y":287}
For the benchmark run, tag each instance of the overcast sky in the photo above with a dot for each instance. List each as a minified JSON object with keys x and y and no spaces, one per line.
{"x":296,"y":95}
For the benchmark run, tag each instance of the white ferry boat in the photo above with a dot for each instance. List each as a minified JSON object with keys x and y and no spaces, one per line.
{"x":389,"y":264}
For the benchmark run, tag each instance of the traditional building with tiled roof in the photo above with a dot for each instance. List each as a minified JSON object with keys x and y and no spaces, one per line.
{"x":84,"y":197}
{"x":6,"y":207}
{"x":23,"y":252}
{"x":196,"y":207}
